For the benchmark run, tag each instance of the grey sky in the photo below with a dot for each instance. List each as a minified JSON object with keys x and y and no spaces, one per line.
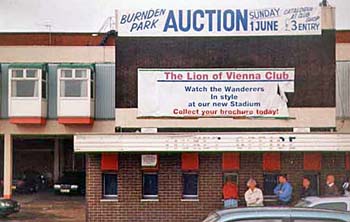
{"x":89,"y":15}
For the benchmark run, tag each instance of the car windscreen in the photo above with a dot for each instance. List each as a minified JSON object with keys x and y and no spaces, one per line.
{"x":72,"y":178}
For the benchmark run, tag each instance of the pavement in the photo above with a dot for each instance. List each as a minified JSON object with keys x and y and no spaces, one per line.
{"x":48,"y":207}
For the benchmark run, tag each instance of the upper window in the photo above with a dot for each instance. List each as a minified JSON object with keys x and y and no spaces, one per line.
{"x":190,"y":185}
{"x":25,"y":83}
{"x":75,"y":83}
{"x":110,"y":185}
{"x":150,"y":185}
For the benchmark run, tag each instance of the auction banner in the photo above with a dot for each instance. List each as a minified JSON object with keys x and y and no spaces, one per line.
{"x":305,"y":20}
{"x":201,"y":93}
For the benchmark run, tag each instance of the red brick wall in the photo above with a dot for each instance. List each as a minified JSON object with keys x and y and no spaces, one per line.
{"x":57,"y":39}
{"x":343,"y":36}
{"x":170,"y":207}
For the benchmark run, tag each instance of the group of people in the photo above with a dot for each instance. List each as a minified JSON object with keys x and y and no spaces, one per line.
{"x":284,"y":191}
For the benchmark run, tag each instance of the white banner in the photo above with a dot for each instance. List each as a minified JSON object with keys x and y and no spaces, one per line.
{"x":202,"y":93}
{"x":234,"y":21}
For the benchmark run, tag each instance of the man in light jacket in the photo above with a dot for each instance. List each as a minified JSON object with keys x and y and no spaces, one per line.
{"x":331,"y":190}
{"x":253,"y":196}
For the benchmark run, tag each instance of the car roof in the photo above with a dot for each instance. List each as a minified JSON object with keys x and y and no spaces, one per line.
{"x":281,"y":212}
{"x":326,"y":199}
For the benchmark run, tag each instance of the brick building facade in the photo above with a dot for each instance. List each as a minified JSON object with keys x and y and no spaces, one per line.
{"x":120,"y":186}
{"x":170,"y":205}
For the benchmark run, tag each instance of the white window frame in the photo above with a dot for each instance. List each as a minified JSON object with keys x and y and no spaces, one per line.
{"x":73,"y":78}
{"x":38,"y":78}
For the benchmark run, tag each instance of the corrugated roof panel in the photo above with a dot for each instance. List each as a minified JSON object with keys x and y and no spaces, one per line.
{"x":343,"y":89}
{"x":77,"y":66}
{"x":105,"y":91}
{"x":52,"y":90}
{"x":4,"y":91}
{"x":42,"y":66}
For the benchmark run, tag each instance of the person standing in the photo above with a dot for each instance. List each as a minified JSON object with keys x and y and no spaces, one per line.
{"x":331,"y":190}
{"x":253,"y":196}
{"x":307,"y":190}
{"x":230,"y":193}
{"x":346,"y":187}
{"x":283,"y":191}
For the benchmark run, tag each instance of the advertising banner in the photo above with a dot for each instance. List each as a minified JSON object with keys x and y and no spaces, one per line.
{"x":299,"y":20}
{"x":202,"y":93}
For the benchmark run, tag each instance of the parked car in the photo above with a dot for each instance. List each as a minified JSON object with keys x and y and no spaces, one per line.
{"x":328,"y":203}
{"x":71,"y":183}
{"x":269,"y":214}
{"x":29,"y":182}
{"x":8,"y":207}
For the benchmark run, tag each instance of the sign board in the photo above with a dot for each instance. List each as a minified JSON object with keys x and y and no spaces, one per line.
{"x":202,"y":93}
{"x":149,"y":160}
{"x":233,"y":21}
{"x":207,"y":142}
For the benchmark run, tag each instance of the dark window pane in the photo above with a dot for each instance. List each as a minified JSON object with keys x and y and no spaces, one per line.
{"x":110,"y":184}
{"x":150,"y":185}
{"x":67,"y":73}
{"x":80,"y":73}
{"x":43,"y":89}
{"x":24,"y":88}
{"x":17,"y":73}
{"x":32,"y":73}
{"x":43,"y":75}
{"x":270,"y":182}
{"x":190,"y":185}
{"x":73,"y":88}
{"x":92,"y":89}
{"x":314,"y":180}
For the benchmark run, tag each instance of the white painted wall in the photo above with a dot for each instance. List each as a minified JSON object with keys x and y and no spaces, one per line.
{"x":57,"y":54}
{"x":304,"y":117}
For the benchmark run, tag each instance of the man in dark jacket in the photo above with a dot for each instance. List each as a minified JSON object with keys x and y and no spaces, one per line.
{"x":331,"y":190}
{"x":307,"y":190}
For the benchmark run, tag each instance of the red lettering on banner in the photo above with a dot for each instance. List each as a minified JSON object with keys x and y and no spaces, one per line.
{"x":277,"y":75}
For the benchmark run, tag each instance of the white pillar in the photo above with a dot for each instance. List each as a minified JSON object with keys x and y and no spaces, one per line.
{"x":56,"y":160}
{"x":8,"y":166}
